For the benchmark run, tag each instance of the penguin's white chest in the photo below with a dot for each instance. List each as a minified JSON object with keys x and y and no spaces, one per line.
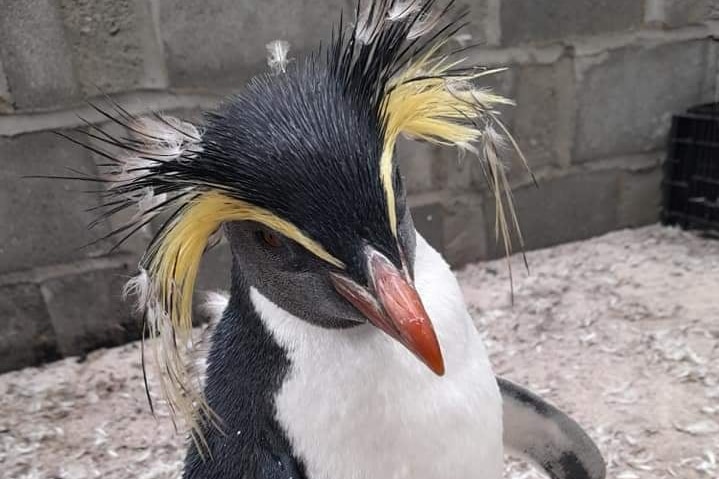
{"x":358,"y":405}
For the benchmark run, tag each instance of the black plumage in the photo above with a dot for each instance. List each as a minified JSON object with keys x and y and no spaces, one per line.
{"x":244,"y":371}
{"x":296,"y":145}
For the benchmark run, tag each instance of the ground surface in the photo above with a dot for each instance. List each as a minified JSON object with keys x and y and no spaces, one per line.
{"x":622,"y":331}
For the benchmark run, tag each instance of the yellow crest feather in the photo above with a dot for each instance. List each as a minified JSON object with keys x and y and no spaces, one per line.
{"x":428,"y":101}
{"x":177,"y":258}
{"x":173,"y":264}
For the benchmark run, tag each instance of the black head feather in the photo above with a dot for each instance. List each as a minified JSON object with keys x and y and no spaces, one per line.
{"x":306,"y":144}
{"x":297,"y":145}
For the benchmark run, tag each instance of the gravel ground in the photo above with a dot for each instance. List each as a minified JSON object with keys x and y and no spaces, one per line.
{"x":622,"y":331}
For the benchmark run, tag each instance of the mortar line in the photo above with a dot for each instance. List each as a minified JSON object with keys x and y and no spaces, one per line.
{"x":41,"y":274}
{"x":136,"y":102}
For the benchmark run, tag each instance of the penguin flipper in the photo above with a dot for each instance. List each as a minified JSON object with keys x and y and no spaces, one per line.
{"x":544,"y":434}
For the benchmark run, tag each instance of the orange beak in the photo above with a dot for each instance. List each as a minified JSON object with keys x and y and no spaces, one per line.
{"x":394,"y":306}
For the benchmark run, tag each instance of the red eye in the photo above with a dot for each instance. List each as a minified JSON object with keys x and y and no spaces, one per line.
{"x":271,"y":239}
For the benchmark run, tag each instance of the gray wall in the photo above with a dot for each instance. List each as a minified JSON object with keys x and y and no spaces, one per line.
{"x":595,"y":80}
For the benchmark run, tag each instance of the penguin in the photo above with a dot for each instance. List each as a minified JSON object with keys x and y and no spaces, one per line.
{"x":532,"y":428}
{"x":345,"y":349}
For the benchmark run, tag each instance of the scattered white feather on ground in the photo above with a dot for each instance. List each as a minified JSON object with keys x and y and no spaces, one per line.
{"x":622,"y":331}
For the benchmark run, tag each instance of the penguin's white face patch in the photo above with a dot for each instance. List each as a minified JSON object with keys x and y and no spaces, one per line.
{"x":356,"y":404}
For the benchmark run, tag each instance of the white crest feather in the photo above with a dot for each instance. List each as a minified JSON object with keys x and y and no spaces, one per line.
{"x":371,"y":19}
{"x":402,"y":9}
{"x":164,"y":138}
{"x":493,"y":137}
{"x":148,"y":201}
{"x":185,"y":365}
{"x":277,"y":56}
{"x":140,"y":287}
{"x":154,"y":140}
{"x":215,"y":305}
{"x":463,"y":39}
{"x":496,"y":173}
{"x":425,"y":24}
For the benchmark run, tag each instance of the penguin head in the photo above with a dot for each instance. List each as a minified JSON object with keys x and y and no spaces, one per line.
{"x":299,"y":170}
{"x":309,"y":288}
{"x":326,"y":249}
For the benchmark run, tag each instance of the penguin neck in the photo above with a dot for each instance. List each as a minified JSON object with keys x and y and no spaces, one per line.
{"x":245,"y":363}
{"x":356,"y":403}
{"x":245,"y":369}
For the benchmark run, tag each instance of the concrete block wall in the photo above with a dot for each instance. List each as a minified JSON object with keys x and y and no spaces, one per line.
{"x":595,"y":80}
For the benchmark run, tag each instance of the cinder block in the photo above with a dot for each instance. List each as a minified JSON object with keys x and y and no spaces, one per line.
{"x":459,"y":170}
{"x":420,"y":166}
{"x":711,"y":74}
{"x":5,"y":98}
{"x":428,"y":219}
{"x":686,"y":12}
{"x":26,"y":334}
{"x":524,"y":21}
{"x":87,"y":310}
{"x":626,"y":98}
{"x":214,"y":275}
{"x":483,"y":18}
{"x":544,"y":114}
{"x":221,"y":43}
{"x":640,"y":197}
{"x":562,"y":209}
{"x":45,"y":220}
{"x":465,"y":238}
{"x":35,"y":54}
{"x":215,"y":269}
{"x":114,"y":45}
{"x":462,"y":171}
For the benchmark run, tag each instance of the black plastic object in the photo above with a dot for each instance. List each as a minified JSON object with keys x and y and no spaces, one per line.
{"x":691,"y":173}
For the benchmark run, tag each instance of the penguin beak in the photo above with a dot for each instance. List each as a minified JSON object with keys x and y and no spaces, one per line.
{"x":393,"y":305}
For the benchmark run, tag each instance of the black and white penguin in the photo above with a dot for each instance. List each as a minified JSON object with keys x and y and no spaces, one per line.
{"x":345,"y":349}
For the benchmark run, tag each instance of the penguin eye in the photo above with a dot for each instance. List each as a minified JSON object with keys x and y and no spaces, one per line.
{"x":270,"y":239}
